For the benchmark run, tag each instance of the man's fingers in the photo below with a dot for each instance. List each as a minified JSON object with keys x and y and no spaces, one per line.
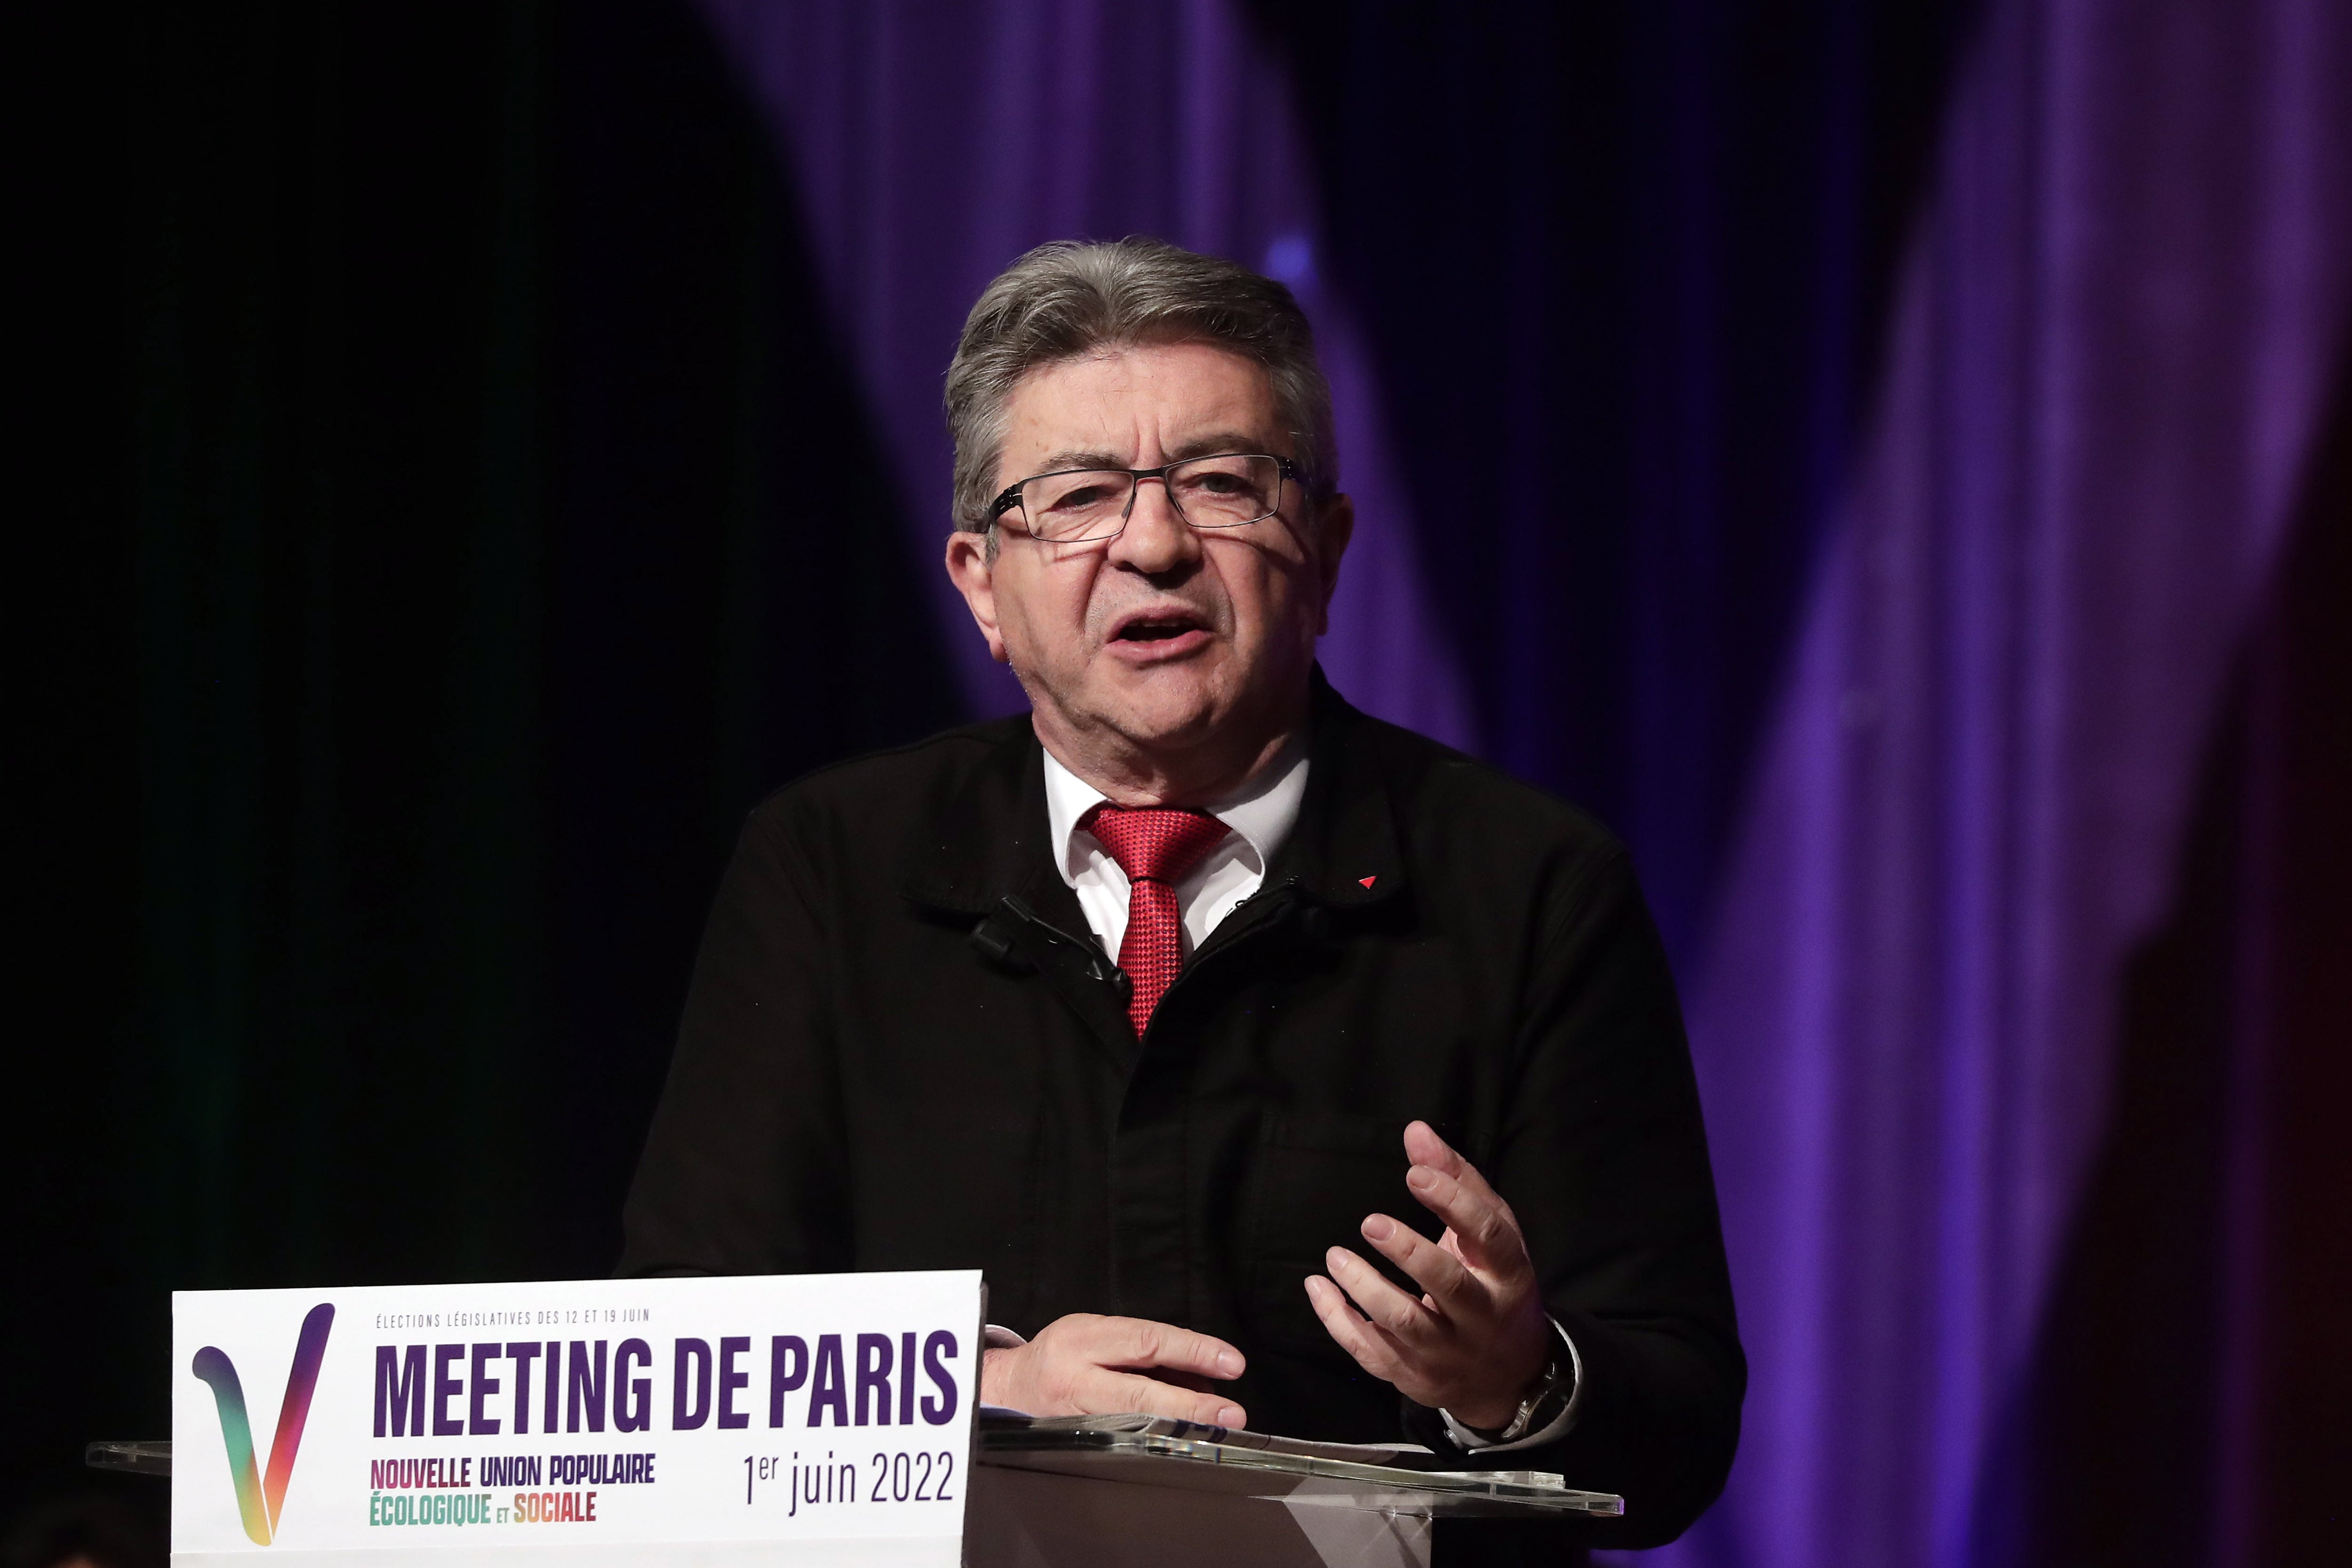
{"x":1140,"y":1342}
{"x":1422,"y":1146}
{"x":1402,"y":1316}
{"x":1119,"y":1393}
{"x":1088,"y":1365}
{"x":1484,"y":1231}
{"x":1433,"y":1267}
{"x":1373,"y":1351}
{"x":1456,"y":1191}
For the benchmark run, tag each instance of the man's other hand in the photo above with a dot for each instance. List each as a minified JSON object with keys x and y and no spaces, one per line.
{"x":1088,"y":1365}
{"x":1478,"y":1340}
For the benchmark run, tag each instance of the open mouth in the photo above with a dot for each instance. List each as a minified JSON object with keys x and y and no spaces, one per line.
{"x":1158,"y":626}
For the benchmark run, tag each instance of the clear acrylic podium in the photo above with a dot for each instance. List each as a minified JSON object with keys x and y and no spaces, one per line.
{"x":1141,"y":1492}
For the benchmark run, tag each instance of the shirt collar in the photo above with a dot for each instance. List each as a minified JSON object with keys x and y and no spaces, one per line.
{"x":1261,"y":812}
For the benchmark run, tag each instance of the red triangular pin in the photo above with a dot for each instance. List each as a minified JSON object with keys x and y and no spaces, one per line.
{"x":1368,"y":881}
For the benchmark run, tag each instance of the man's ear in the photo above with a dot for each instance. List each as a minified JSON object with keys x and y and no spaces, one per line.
{"x":973,"y":572}
{"x":1334,"y":528}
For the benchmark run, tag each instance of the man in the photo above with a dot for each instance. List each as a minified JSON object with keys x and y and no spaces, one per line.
{"x":1382,"y":1124}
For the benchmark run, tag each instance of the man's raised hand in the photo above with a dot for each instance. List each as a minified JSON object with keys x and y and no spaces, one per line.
{"x":1088,"y":1365}
{"x":1478,"y":1340}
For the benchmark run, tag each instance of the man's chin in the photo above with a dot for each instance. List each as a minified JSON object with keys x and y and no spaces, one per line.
{"x":1171,"y":708}
{"x":1157,"y":730}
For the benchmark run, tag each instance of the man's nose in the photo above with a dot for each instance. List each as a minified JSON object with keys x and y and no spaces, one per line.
{"x":1156,"y":539}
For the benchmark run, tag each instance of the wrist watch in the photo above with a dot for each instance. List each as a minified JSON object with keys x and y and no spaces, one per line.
{"x":1541,"y":1407}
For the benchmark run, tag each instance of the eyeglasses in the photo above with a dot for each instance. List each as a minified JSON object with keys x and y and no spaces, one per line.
{"x":1072,"y":506}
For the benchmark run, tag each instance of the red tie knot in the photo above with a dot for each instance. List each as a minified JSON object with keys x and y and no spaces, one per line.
{"x":1154,"y":843}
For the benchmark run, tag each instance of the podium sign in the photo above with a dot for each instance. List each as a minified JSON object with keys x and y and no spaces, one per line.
{"x":819,"y":1418}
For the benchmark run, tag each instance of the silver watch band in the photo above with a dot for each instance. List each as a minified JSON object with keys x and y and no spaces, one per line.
{"x":1539,"y":1407}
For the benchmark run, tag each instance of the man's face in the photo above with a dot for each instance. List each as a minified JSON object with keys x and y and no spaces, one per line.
{"x":1163,"y":641}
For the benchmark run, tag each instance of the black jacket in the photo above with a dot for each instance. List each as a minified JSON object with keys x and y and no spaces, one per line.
{"x":903,"y":1049}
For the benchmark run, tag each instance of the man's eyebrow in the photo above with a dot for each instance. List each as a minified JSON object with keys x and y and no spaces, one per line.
{"x":1053,"y":462}
{"x":1220,"y":441}
{"x":1198,"y":447}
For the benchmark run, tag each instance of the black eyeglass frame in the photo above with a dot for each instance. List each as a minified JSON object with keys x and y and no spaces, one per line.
{"x":1010,"y":497}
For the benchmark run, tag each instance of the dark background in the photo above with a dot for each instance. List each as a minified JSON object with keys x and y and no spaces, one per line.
{"x":432,"y":544}
{"x":421,"y":593}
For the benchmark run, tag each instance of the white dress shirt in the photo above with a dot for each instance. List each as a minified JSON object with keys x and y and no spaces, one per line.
{"x":1260,"y":815}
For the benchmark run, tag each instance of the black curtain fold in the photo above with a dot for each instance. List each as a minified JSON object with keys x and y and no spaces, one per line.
{"x":430,"y":587}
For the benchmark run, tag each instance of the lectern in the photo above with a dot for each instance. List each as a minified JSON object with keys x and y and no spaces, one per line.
{"x":1141,"y":1492}
{"x":780,"y":1421}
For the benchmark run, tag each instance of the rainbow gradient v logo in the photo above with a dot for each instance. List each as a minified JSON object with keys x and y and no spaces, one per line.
{"x":259,"y":1500}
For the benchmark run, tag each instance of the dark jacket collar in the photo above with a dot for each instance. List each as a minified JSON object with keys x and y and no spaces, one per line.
{"x":1342,"y":851}
{"x":990,"y":839}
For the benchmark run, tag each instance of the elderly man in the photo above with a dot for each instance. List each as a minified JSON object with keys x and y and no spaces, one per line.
{"x":1277,"y":1065}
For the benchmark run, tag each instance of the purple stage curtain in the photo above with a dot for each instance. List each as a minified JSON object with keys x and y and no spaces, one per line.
{"x":2113,"y":338}
{"x":2110,"y":349}
{"x":933,"y":142}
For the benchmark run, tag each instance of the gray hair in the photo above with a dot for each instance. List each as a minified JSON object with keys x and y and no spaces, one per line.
{"x":1066,"y":301}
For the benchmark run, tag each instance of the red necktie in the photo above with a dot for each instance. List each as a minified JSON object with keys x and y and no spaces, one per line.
{"x":1156,"y":846}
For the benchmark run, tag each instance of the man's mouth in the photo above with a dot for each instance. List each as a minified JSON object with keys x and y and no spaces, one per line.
{"x":1164,"y":634}
{"x":1158,"y":627}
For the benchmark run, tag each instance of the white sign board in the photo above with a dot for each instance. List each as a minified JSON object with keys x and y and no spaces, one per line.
{"x":809,"y":1418}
